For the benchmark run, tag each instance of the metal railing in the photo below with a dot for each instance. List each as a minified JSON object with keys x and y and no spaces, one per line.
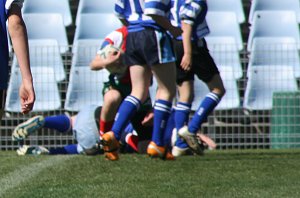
{"x":275,"y":126}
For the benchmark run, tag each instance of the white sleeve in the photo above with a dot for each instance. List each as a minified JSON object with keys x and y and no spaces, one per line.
{"x":116,"y":37}
{"x":10,"y":2}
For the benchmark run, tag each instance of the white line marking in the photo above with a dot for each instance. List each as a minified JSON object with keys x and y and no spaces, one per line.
{"x":21,"y":175}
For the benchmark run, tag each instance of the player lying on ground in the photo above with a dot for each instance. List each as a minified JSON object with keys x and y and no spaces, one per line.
{"x":85,"y":128}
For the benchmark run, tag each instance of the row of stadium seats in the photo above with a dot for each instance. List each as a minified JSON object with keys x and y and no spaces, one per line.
{"x":224,"y":39}
{"x":96,"y":6}
{"x":231,"y":13}
{"x":271,"y":44}
{"x":85,"y":87}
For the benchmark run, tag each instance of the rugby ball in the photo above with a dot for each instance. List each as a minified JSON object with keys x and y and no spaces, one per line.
{"x":108,"y":49}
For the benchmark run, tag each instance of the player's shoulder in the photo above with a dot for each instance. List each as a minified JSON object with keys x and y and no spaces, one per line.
{"x":123,"y":30}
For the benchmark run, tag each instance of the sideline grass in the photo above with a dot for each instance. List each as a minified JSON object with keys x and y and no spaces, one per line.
{"x":243,"y":173}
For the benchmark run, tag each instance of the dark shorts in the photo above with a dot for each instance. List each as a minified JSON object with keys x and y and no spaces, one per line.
{"x":203,"y":64}
{"x":148,"y":47}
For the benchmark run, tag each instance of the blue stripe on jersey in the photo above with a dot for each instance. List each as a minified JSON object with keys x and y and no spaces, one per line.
{"x":133,"y":12}
{"x":3,"y":47}
{"x":192,"y":12}
{"x":157,"y":7}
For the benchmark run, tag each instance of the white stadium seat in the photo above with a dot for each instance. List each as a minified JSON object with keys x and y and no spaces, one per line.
{"x":45,"y":86}
{"x":96,"y":26}
{"x":274,"y":24}
{"x":224,"y":24}
{"x":85,"y":88}
{"x":47,"y":26}
{"x":225,"y":54}
{"x":49,"y":6}
{"x":84,"y":51}
{"x":263,"y":81}
{"x":94,"y":6}
{"x":274,"y":5}
{"x":235,"y":6}
{"x":275,"y":51}
{"x":45,"y":53}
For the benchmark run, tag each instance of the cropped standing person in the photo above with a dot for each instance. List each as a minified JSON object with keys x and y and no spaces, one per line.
{"x":10,"y":10}
{"x":148,"y":50}
{"x":193,"y":58}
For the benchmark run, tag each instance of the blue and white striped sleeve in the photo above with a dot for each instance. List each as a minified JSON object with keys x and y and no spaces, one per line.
{"x":119,"y":9}
{"x":189,"y":11}
{"x":157,"y":7}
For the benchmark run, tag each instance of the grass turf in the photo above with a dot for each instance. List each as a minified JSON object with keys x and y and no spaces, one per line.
{"x":242,"y":173}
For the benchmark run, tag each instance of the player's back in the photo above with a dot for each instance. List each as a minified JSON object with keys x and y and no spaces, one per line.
{"x":133,"y":12}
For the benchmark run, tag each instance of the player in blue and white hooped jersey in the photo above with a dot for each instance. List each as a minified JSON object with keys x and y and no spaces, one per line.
{"x":10,"y":10}
{"x":148,"y":49}
{"x":193,"y":58}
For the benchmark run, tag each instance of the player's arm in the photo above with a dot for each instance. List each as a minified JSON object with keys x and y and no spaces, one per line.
{"x":166,"y":24}
{"x":124,"y":21}
{"x":18,"y":34}
{"x":99,"y":63}
{"x":186,"y":61}
{"x":189,"y":13}
{"x":157,"y":11}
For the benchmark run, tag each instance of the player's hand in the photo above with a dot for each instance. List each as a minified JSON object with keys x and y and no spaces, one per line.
{"x":115,"y":66}
{"x":27,"y":96}
{"x":114,"y":56}
{"x":148,"y":119}
{"x":206,"y":140}
{"x":186,"y":62}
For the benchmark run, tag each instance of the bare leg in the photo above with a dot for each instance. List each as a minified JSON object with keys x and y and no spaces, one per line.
{"x":112,"y":100}
{"x":166,"y":77}
{"x":186,"y":91}
{"x":216,"y":85}
{"x":140,"y":80}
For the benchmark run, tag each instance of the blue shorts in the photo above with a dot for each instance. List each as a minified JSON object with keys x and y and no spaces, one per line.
{"x":85,"y":129}
{"x":148,"y":47}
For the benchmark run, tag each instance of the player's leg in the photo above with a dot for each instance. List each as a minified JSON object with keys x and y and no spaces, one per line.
{"x":162,"y":107}
{"x":164,"y":70}
{"x":60,"y":123}
{"x":207,"y":71}
{"x":183,"y":108}
{"x":140,"y":75}
{"x":185,"y":85}
{"x":140,"y":78}
{"x":111,"y":101}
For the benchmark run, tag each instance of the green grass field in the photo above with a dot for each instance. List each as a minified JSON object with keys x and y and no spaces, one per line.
{"x":245,"y":173}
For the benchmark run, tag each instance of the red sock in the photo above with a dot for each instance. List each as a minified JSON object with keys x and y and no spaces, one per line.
{"x":105,"y":126}
{"x":132,"y":141}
